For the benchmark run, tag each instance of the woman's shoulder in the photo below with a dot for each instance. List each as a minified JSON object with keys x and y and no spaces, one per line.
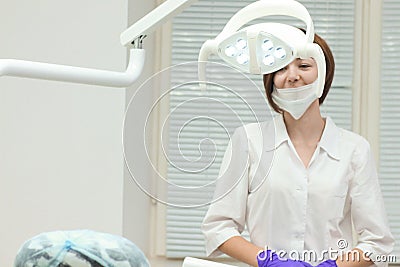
{"x":354,"y":142}
{"x":352,"y":138}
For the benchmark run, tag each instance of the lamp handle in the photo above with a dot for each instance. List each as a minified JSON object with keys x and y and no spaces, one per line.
{"x":263,"y":8}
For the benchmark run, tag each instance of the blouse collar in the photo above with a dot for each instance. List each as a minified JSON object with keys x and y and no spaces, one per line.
{"x":329,"y":139}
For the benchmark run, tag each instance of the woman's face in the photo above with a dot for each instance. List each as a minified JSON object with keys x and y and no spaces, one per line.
{"x":298,"y":73}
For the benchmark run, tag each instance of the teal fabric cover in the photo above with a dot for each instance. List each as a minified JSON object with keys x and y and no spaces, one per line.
{"x":79,"y":248}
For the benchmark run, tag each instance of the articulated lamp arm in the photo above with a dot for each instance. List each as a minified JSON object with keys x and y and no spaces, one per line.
{"x":146,"y":25}
{"x":45,"y":71}
{"x":154,"y":19}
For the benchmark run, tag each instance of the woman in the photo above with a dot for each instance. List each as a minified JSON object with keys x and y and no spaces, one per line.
{"x":303,"y":186}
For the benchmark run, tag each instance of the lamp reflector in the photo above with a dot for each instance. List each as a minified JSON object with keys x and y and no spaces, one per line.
{"x":230,"y":51}
{"x":242,"y":58}
{"x":241,"y":44}
{"x":269,"y":60}
{"x":280,"y":53}
{"x":267,"y":45}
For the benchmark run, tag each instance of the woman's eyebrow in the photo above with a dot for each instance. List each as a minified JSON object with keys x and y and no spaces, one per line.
{"x":306,"y":60}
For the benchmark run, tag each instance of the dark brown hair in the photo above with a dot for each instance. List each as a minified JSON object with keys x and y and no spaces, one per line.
{"x":330,"y":70}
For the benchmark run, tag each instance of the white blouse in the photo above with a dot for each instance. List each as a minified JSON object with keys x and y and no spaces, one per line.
{"x":295,"y":210}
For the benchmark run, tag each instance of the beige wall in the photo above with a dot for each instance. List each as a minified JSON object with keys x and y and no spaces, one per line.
{"x":61,"y":160}
{"x":137,"y":205}
{"x":61,"y":164}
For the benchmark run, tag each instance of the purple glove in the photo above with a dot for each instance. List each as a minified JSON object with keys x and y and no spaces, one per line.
{"x":327,"y":263}
{"x":268,"y":258}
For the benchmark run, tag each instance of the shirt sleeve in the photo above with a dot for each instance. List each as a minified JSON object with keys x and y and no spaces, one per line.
{"x":368,"y":211}
{"x":226,"y":215}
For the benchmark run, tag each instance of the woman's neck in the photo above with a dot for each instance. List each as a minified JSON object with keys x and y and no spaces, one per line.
{"x":308,"y":129}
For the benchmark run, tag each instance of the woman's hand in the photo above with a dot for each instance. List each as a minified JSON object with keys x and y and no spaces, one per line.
{"x":327,"y":263}
{"x":268,"y":258}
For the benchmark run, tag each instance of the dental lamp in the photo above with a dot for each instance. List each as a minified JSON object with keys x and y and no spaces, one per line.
{"x":265,"y":47}
{"x":133,"y":35}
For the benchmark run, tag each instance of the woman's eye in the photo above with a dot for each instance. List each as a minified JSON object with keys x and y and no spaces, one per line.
{"x":304,"y":66}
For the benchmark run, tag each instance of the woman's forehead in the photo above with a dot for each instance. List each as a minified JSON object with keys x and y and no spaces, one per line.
{"x":302,"y":60}
{"x":310,"y":59}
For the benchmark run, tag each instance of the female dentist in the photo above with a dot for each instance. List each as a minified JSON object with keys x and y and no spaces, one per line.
{"x":311,"y":195}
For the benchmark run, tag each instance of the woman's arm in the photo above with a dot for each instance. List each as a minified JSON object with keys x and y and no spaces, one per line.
{"x":239,"y":248}
{"x":367,"y":210}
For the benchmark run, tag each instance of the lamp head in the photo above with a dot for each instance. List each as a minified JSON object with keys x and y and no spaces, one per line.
{"x":262,"y":48}
{"x":265,"y":47}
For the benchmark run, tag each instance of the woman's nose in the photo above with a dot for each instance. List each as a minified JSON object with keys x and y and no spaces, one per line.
{"x":292,"y":74}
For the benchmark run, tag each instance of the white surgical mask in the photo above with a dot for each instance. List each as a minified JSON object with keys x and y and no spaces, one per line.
{"x":295,"y":100}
